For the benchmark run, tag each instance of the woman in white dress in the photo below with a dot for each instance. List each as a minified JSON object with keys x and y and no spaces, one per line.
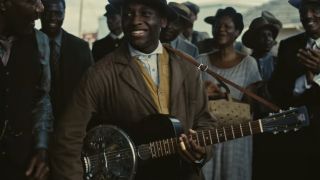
{"x":231,"y":160}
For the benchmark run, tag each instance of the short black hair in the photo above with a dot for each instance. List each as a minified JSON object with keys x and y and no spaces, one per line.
{"x":235,"y":16}
{"x":46,"y":2}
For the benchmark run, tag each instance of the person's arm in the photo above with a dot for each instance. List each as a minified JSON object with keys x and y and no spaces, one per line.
{"x":202,"y":120}
{"x":71,"y":128}
{"x":42,"y":113}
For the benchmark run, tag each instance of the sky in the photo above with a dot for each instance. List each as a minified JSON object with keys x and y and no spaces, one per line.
{"x":93,"y":9}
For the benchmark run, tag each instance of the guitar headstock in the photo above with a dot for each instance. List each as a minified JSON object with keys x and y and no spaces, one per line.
{"x":284,"y":121}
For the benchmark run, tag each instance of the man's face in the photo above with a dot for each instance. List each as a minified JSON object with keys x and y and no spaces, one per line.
{"x":21,"y":14}
{"x":52,"y":18}
{"x":171,"y":31}
{"x":310,"y":18}
{"x":114,"y":23}
{"x":141,"y":26}
{"x":265,"y":40}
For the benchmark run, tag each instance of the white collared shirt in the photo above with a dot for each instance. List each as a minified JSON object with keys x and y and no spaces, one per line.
{"x":301,"y":83}
{"x":149,"y":61}
{"x":113,"y":36}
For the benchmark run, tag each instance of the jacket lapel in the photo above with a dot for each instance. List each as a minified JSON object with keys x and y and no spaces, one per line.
{"x":131,"y":74}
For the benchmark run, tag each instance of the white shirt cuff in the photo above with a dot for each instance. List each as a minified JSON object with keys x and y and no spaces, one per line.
{"x":316,"y":79}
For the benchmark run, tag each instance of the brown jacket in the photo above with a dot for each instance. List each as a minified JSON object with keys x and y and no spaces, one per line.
{"x":115,"y":90}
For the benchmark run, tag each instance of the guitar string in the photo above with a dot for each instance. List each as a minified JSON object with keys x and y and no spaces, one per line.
{"x":221,"y":133}
{"x":144,"y":150}
{"x":205,"y":132}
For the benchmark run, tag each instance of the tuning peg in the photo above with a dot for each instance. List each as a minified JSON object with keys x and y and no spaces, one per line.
{"x":296,"y":129}
{"x":285,"y":131}
{"x":280,"y":111}
{"x":291,"y":108}
{"x":275,"y":132}
{"x":271,"y":114}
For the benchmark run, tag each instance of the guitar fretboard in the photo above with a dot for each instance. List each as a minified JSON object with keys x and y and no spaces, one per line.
{"x":206,"y":137}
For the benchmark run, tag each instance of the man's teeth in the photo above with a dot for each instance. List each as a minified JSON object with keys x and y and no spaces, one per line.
{"x":137,"y":33}
{"x":52,"y":24}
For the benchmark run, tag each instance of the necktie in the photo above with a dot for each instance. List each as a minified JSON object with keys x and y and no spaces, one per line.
{"x":54,"y":67}
{"x":53,"y":57}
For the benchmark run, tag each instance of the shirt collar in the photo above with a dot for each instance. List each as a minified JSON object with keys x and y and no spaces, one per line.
{"x":314,"y":41}
{"x":114,"y":36}
{"x":137,"y":53}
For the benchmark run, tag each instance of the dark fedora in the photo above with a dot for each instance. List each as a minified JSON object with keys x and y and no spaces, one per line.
{"x":268,"y":21}
{"x":182,"y":11}
{"x":160,"y":5}
{"x":193,"y":7}
{"x":211,"y":19}
{"x":112,"y":9}
{"x":297,"y":3}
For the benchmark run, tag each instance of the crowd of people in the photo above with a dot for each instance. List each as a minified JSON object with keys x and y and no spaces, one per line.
{"x":53,"y":88}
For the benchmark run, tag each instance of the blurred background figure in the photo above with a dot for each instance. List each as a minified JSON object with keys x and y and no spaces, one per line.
{"x":189,"y":33}
{"x":261,"y":37}
{"x":171,"y":33}
{"x":113,"y":40}
{"x":296,"y":82}
{"x":70,"y":56}
{"x":208,"y":45}
{"x":231,"y":160}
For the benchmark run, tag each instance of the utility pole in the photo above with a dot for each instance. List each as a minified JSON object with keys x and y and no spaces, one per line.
{"x":80,"y":19}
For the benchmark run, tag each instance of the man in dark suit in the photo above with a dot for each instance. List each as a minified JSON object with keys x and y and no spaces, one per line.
{"x":25,"y":108}
{"x":113,"y":40}
{"x":70,"y":56}
{"x":295,"y":82}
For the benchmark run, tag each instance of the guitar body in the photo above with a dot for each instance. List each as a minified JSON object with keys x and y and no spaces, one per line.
{"x":110,"y":153}
{"x":148,"y":150}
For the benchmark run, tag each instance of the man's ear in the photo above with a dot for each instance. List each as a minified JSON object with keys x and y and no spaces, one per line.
{"x":164,"y":22}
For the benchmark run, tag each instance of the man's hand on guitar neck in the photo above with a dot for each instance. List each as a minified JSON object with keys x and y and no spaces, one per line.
{"x":190,"y":149}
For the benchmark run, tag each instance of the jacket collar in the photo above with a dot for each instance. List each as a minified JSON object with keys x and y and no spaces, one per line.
{"x":132,"y":76}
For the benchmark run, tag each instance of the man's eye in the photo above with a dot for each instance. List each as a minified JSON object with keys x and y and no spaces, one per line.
{"x":146,"y":13}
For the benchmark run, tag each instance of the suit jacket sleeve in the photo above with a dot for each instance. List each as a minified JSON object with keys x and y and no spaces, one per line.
{"x":71,"y":128}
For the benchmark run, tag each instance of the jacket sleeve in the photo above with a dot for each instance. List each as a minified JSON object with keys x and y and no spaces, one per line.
{"x":203,"y":119}
{"x":71,"y":129}
{"x":42,"y":113}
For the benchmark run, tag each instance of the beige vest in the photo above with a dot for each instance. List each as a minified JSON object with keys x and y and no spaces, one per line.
{"x":160,"y":94}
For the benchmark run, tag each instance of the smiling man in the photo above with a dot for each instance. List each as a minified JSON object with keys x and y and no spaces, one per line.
{"x":138,"y":79}
{"x":296,"y":82}
{"x":25,"y":109}
{"x":70,"y":56}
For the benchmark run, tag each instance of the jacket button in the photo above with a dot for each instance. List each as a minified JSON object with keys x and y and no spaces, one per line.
{"x":7,"y":73}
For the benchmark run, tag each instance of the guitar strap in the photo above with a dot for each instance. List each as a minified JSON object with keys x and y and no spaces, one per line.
{"x":222,"y":80}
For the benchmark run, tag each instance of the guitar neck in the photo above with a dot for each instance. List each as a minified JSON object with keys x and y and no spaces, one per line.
{"x":206,"y":137}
